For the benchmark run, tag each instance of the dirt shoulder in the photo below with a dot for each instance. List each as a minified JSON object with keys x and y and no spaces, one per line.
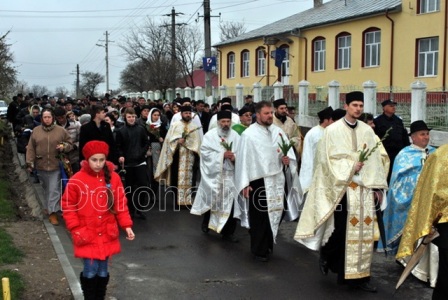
{"x":40,"y":268}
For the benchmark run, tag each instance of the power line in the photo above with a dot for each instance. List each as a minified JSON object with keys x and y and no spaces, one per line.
{"x":87,"y":11}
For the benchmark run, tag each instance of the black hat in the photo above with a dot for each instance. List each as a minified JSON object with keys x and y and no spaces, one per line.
{"x":354,"y":96}
{"x":388,"y":102}
{"x":185,"y":108}
{"x":418,"y":125}
{"x":279,"y":102}
{"x":226,"y":107}
{"x":224,"y":114}
{"x":226,"y":100}
{"x":243,"y":110}
{"x":325,"y":113}
{"x":338,"y":114}
{"x":186,"y":99}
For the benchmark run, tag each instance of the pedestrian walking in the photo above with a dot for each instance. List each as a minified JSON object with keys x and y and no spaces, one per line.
{"x":94,"y":205}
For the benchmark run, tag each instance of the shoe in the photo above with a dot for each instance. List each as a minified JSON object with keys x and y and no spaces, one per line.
{"x":323,"y":266}
{"x":230,"y":238}
{"x":366,"y":287}
{"x":36,"y":180}
{"x":205,"y":228}
{"x":262,"y":258}
{"x":53,"y":218}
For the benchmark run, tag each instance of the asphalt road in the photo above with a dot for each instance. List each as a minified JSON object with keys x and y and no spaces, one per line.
{"x":171,"y":258}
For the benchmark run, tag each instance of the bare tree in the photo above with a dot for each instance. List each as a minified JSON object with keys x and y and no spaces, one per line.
{"x":149,"y":47}
{"x":8,"y":72}
{"x":189,"y":45}
{"x":230,"y":30}
{"x":61,"y":92}
{"x":90,"y":82}
{"x":135,"y":77}
{"x":39,"y":90}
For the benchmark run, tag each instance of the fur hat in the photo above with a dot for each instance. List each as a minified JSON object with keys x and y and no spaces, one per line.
{"x":95,"y":147}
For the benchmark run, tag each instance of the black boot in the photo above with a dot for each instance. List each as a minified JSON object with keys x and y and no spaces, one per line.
{"x":101,"y":287}
{"x":88,"y":286}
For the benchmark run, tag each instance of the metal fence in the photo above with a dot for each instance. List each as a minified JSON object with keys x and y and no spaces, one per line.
{"x":436,"y":105}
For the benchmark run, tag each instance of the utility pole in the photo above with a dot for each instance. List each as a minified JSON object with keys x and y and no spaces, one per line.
{"x":173,"y":15}
{"x":77,"y":80}
{"x":207,"y":45}
{"x":106,"y":46}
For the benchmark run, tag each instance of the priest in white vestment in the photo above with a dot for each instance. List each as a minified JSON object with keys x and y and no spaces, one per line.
{"x":312,"y":137}
{"x":260,"y":170}
{"x":178,"y":159}
{"x":338,"y":214}
{"x":216,"y":197}
{"x":224,"y":106}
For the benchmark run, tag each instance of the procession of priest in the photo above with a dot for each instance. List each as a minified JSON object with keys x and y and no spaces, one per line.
{"x":354,"y":184}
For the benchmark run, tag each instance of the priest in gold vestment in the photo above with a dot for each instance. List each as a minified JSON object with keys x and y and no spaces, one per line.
{"x":338,"y":215}
{"x":430,"y":199}
{"x":179,"y":160}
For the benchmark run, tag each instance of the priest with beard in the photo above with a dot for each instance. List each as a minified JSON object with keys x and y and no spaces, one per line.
{"x":292,"y":130}
{"x":179,"y":157}
{"x":216,"y":198}
{"x":261,"y":174}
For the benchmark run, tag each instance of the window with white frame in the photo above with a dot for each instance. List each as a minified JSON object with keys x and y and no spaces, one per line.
{"x":231,"y":65}
{"x":428,"y":6}
{"x":245,"y":57}
{"x":319,"y":55}
{"x":372,"y":46}
{"x":261,"y":62}
{"x":428,"y":56}
{"x":344,"y":52}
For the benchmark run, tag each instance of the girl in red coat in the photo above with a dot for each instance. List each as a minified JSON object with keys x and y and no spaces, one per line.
{"x":94,"y":204}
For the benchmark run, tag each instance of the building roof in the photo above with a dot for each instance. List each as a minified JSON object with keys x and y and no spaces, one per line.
{"x":330,"y":12}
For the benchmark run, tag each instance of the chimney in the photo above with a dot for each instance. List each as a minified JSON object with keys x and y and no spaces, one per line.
{"x":317,"y":3}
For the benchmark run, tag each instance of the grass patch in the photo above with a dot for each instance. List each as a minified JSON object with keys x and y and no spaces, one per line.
{"x":9,"y":254}
{"x":7,"y":211}
{"x":16,"y":283}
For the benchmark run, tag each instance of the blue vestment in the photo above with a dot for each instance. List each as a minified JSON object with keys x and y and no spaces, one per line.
{"x":406,"y":170}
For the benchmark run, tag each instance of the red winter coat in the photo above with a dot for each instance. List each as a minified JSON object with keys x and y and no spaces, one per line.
{"x":93,"y":227}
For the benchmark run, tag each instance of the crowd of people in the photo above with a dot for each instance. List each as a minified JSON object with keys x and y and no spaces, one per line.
{"x":350,"y":182}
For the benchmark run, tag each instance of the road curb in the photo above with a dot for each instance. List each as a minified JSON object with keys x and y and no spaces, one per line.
{"x":70,"y":275}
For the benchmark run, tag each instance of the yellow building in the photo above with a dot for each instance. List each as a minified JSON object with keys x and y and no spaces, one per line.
{"x":391,"y":42}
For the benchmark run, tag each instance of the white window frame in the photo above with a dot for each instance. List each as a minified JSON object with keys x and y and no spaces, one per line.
{"x":428,"y":58}
{"x":319,"y":55}
{"x":372,"y":49}
{"x":429,"y":6}
{"x":245,"y":63}
{"x":344,"y":52}
{"x":231,"y":65}
{"x":261,"y":62}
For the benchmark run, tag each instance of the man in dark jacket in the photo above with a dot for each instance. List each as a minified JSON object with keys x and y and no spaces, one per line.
{"x":398,"y":137}
{"x":98,"y":129}
{"x":132,"y":143}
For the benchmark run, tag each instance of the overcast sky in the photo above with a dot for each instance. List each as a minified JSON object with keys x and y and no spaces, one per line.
{"x":49,"y":37}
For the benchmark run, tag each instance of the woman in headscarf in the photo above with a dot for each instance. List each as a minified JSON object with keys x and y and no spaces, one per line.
{"x":157,"y":132}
